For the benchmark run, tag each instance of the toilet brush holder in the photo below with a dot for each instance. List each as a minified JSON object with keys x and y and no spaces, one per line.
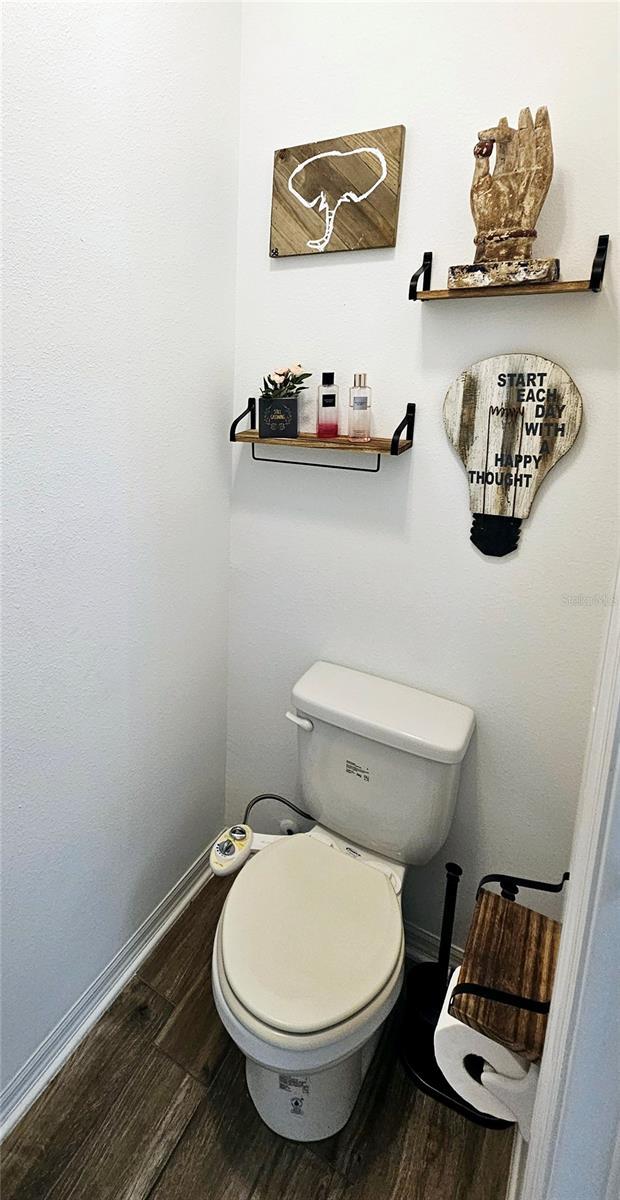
{"x":425,"y":990}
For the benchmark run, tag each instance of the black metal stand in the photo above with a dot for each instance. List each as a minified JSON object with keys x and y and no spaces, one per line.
{"x":425,"y":993}
{"x":596,"y":276}
{"x":406,"y":426}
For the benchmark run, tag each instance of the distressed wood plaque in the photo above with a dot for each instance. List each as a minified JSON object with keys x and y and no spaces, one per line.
{"x":339,"y":194}
{"x":510,"y":419}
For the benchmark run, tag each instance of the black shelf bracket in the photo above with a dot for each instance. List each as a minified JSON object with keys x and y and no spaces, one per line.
{"x":407,"y":426}
{"x":598,"y":265}
{"x":251,"y":410}
{"x":424,"y":271}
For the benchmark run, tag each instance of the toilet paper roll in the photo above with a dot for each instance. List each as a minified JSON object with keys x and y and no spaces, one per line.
{"x":454,"y":1041}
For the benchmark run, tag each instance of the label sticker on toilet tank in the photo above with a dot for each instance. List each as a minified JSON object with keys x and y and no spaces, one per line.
{"x":298,"y":1083}
{"x":355,"y":769}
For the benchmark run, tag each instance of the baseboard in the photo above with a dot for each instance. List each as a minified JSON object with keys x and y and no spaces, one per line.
{"x":422,"y":946}
{"x":55,"y":1049}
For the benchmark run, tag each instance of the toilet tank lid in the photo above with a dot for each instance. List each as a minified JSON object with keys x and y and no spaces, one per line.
{"x":387,"y":712}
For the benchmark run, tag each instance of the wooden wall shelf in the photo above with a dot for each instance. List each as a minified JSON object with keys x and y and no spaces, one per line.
{"x":521,"y":289}
{"x":377,"y":447}
{"x":593,"y":284}
{"x":308,"y":441}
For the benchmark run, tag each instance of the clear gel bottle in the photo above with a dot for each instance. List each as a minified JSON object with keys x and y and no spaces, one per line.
{"x":360,"y":399}
{"x":328,"y":406}
{"x":306,"y":412}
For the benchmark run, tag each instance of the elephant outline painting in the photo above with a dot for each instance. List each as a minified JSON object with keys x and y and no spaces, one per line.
{"x":339,"y":194}
{"x":321,"y":197}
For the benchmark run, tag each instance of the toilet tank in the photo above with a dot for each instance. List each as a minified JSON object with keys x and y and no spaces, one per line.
{"x":379,"y":761}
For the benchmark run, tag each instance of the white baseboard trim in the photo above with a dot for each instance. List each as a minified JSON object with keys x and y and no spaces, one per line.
{"x":55,"y":1049}
{"x":422,"y":946}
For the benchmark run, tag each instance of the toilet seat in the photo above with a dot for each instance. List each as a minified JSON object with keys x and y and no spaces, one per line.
{"x":298,"y":1051}
{"x":309,"y":936}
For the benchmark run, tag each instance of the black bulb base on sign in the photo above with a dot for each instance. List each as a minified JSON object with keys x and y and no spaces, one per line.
{"x":495,"y":536}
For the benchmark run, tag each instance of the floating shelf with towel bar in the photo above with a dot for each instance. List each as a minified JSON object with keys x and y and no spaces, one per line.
{"x":377,"y":447}
{"x":593,"y":284}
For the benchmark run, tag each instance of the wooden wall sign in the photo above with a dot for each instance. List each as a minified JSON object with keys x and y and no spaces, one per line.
{"x":506,"y":204}
{"x":340,"y":194}
{"x":510,"y":419}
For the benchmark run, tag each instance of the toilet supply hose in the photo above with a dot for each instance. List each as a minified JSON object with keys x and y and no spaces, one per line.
{"x":282,"y":800}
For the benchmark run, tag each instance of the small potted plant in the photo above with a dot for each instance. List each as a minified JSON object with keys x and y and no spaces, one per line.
{"x":277,"y":405}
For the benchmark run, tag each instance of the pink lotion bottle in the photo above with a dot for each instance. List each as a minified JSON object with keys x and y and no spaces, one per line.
{"x":328,"y":407}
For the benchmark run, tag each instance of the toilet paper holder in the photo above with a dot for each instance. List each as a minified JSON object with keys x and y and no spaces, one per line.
{"x":427,"y":984}
{"x":483,"y":1071}
{"x":425,"y":992}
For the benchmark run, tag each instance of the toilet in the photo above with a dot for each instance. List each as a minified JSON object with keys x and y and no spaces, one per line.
{"x":309,"y":952}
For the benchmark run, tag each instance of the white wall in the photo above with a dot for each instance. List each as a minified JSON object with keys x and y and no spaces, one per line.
{"x":377,"y":572}
{"x":121,"y":159}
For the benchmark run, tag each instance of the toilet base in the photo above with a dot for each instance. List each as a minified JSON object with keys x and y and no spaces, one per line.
{"x":309,"y":1107}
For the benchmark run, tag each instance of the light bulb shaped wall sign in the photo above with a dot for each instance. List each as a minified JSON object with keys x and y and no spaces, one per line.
{"x":510,"y":419}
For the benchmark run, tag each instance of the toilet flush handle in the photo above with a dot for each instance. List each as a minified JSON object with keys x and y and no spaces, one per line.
{"x":303,"y":722}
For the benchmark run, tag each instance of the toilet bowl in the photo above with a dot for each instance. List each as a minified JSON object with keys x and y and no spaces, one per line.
{"x":308,"y":956}
{"x":308,"y":962}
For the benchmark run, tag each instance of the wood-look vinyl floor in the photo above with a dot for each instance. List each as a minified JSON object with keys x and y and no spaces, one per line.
{"x":153,"y":1106}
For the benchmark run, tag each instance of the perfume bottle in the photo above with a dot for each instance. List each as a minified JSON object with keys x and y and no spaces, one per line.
{"x":328,"y":406}
{"x":360,"y":399}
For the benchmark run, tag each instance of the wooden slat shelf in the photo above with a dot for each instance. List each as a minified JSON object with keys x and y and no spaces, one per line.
{"x":522,"y":289}
{"x":310,"y":442}
{"x":513,"y":949}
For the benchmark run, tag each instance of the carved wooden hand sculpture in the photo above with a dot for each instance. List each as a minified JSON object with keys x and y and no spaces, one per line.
{"x":506,"y":204}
